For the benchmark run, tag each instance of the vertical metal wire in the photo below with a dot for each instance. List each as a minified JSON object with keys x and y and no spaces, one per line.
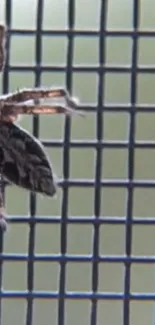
{"x":98,"y":164}
{"x":131,"y":150}
{"x":66,"y":164}
{"x":31,"y":247}
{"x":5,"y":88}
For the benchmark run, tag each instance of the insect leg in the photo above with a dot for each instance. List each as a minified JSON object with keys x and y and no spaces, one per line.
{"x":12,"y":110}
{"x":40,"y":93}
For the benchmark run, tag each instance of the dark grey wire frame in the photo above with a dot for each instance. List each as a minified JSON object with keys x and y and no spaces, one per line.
{"x":97,"y":183}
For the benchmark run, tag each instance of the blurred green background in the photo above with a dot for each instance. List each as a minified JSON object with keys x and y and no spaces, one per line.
{"x":82,"y":163}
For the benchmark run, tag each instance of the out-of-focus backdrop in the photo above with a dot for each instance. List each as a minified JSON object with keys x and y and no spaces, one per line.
{"x":82,"y":162}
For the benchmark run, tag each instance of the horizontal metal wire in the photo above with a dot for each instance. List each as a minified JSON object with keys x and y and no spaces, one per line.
{"x":82,"y":68}
{"x":79,"y":258}
{"x":115,"y":220}
{"x":76,"y":295}
{"x":94,"y":144}
{"x":85,"y":33}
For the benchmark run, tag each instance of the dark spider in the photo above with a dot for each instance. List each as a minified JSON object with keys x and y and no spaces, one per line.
{"x":22,"y":158}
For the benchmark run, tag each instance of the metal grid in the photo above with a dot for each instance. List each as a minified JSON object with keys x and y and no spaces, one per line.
{"x":97,"y":183}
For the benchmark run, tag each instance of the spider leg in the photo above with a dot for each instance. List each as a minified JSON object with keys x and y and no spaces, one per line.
{"x":2,"y":46}
{"x":10,"y":111}
{"x":40,"y":93}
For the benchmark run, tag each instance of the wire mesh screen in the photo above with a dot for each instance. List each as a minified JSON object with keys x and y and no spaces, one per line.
{"x":88,"y":256}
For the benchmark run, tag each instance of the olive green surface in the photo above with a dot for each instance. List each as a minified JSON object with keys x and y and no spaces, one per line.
{"x":82,"y":165}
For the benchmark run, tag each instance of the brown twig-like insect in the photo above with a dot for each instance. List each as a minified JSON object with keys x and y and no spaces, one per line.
{"x":22,"y":158}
